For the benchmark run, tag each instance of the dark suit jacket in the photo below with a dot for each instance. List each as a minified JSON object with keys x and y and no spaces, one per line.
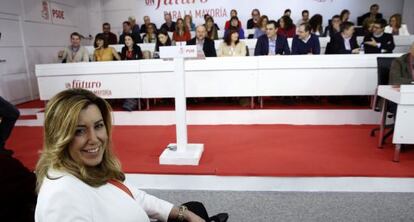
{"x":386,"y":40}
{"x":361,"y":19}
{"x":337,"y":44}
{"x":262,"y":46}
{"x":401,"y":71}
{"x":208,"y":47}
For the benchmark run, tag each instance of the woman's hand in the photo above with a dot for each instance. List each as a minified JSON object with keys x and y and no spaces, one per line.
{"x":192,"y":217}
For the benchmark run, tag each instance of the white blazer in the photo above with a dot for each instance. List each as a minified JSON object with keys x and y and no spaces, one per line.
{"x":69,"y":199}
{"x":402,"y":31}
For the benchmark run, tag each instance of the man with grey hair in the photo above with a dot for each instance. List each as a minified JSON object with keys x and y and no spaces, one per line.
{"x":205,"y":46}
{"x":134,"y":26}
{"x":147,"y":21}
{"x":402,"y":69}
{"x":169,"y":24}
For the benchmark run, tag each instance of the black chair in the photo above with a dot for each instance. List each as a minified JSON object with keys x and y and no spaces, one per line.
{"x":359,"y":31}
{"x":360,"y":20}
{"x":383,"y":73}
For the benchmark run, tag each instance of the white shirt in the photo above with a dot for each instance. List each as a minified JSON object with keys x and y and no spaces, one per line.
{"x":69,"y":199}
{"x":402,"y":31}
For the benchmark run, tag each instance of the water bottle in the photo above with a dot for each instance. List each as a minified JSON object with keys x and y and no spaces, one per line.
{"x":361,"y":49}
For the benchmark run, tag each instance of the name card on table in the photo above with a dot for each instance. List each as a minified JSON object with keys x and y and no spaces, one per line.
{"x":183,"y":51}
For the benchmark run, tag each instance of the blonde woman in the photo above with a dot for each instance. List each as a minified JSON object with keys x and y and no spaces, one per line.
{"x":78,"y":176}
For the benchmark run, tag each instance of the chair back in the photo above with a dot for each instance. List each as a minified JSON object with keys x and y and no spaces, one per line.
{"x":383,"y":69}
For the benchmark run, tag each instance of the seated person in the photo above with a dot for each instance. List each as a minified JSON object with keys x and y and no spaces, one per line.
{"x":345,"y":41}
{"x":130,"y":51}
{"x":103,"y":52}
{"x":253,"y":22}
{"x":378,"y":41}
{"x":234,"y":24}
{"x":373,"y":14}
{"x":181,"y":34}
{"x":163,"y":39}
{"x":231,"y":46}
{"x":151,"y":35}
{"x":169,"y":25}
{"x":233,"y":13}
{"x":206,"y":16}
{"x":334,"y":27}
{"x":106,"y":31}
{"x":271,"y":43}
{"x":402,"y":69}
{"x":126,"y":29}
{"x":188,"y":21}
{"x":305,"y":42}
{"x":304,"y":19}
{"x":205,"y":46}
{"x":396,"y":27}
{"x":261,"y":27}
{"x":134,"y":26}
{"x":315,"y":23}
{"x":75,"y":52}
{"x":211,"y":28}
{"x":345,"y":15}
{"x":147,"y":21}
{"x":79,"y":178}
{"x":287,"y":28}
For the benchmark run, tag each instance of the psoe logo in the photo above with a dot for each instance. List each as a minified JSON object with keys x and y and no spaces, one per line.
{"x":167,"y":3}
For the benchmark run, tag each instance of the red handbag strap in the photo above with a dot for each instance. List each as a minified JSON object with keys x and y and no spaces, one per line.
{"x":121,"y":186}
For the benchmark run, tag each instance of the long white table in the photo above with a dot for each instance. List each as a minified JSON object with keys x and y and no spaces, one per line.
{"x":404,"y":119}
{"x":402,"y":44}
{"x":218,"y":77}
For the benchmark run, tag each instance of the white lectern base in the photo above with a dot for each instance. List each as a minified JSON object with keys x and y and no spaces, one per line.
{"x":191,"y":156}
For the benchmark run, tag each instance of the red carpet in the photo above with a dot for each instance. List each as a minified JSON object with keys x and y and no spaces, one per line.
{"x":258,"y":150}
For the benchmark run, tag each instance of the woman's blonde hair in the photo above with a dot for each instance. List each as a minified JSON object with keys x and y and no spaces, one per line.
{"x":61,"y":119}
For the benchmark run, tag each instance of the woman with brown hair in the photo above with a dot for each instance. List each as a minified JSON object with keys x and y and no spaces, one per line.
{"x":181,"y":33}
{"x":232,"y":46}
{"x":211,"y":28}
{"x":395,"y":26}
{"x":261,"y":29}
{"x":102,"y":51}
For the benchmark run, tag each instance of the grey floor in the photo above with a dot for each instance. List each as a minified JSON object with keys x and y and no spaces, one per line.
{"x":300,"y":206}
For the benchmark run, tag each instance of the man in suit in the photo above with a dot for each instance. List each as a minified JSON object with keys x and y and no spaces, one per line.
{"x":271,"y":43}
{"x":372,"y":14}
{"x":378,"y":41}
{"x":205,"y":46}
{"x":169,"y":24}
{"x":305,"y":42}
{"x":126,"y":27}
{"x":106,"y":31}
{"x":402,"y":69}
{"x":345,"y":41}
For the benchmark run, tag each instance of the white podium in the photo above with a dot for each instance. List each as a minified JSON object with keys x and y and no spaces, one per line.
{"x":404,"y":120}
{"x":180,"y":153}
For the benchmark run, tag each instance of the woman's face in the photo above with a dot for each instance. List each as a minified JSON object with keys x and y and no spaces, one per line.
{"x":234,"y":36}
{"x":150,"y":29}
{"x":264,"y":22}
{"x":99,"y":42}
{"x":393,"y":22}
{"x":349,"y":32}
{"x":128,"y":41}
{"x":282,"y":23}
{"x":187,"y":19}
{"x":209,"y":23}
{"x":234,"y":22}
{"x":180,"y":23}
{"x":90,"y":140}
{"x":162,"y":38}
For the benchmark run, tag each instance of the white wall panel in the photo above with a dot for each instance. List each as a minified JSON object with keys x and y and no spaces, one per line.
{"x":10,"y":33}
{"x":10,"y":7}
{"x":16,"y":87}
{"x":15,"y":61}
